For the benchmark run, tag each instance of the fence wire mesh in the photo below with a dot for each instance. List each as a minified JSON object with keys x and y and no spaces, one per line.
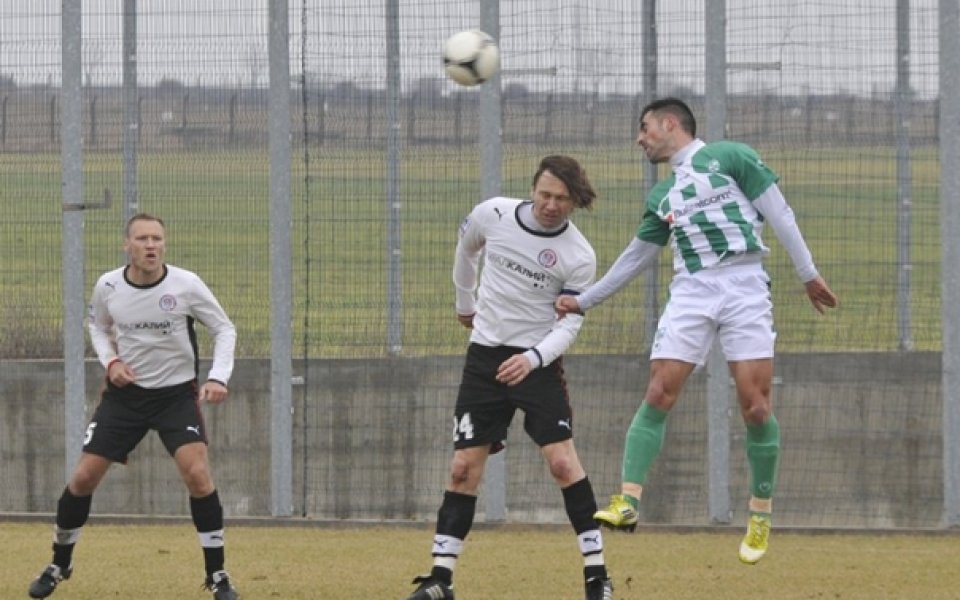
{"x":813,"y":86}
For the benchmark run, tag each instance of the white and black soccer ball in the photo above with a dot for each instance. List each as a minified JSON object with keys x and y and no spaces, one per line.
{"x":470,"y":57}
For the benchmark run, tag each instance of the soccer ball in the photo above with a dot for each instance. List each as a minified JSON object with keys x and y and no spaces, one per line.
{"x":470,"y":57}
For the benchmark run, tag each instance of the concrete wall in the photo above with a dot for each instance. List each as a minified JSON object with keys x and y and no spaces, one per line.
{"x":861,"y":442}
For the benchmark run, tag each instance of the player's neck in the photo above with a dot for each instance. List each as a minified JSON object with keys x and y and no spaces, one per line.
{"x":141,"y":277}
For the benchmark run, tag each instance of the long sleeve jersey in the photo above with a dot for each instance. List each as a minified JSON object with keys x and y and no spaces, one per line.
{"x":151,"y":328}
{"x":523,"y":272}
{"x":712,"y":210}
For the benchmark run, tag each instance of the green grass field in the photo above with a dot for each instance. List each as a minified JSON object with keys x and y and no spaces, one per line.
{"x":217,"y":208}
{"x":161,"y":562}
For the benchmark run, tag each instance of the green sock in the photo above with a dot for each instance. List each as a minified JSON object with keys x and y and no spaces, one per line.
{"x":643,"y":443}
{"x":763,"y":455}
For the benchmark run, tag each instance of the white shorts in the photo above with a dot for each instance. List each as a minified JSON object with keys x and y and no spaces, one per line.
{"x":730,"y":302}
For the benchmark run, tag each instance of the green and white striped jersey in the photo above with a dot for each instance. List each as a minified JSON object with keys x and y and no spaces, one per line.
{"x":707,"y":205}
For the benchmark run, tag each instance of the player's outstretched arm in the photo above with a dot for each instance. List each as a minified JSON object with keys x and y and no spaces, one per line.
{"x":820,"y":294}
{"x":636,"y":257}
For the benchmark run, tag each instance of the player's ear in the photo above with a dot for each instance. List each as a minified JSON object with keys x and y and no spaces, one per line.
{"x":668,"y":122}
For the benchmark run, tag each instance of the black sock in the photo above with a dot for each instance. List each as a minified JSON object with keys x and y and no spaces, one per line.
{"x":594,"y":571}
{"x":72,"y":514}
{"x":580,"y":504}
{"x":454,"y":519}
{"x":207,"y":513}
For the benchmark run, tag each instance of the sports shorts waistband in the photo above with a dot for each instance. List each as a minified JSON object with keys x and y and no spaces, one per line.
{"x":743,"y":263}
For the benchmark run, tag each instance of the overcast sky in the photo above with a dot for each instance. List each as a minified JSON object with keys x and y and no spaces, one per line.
{"x":794,"y":47}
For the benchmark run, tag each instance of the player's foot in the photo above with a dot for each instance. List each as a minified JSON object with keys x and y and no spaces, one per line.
{"x":43,"y":586}
{"x":430,"y":589}
{"x":219,"y":584}
{"x":598,"y":588}
{"x":754,"y":543}
{"x":619,"y":515}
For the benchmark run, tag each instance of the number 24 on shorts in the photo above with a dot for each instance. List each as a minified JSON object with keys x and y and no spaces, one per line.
{"x":462,"y":428}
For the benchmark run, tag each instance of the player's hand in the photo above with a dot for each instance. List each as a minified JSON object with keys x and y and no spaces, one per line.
{"x":820,"y":294}
{"x":466,"y":320}
{"x":213,"y":392}
{"x":514,"y":370}
{"x":566,"y":305}
{"x":120,"y":374}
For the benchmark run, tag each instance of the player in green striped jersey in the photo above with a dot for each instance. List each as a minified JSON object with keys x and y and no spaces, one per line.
{"x":712,"y":210}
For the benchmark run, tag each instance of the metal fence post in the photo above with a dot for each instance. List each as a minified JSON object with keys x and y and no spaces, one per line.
{"x":718,"y":386}
{"x":72,"y":241}
{"x":281,"y":259}
{"x":491,"y":176}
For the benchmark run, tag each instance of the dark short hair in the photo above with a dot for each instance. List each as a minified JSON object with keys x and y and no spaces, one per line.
{"x":675,"y":107}
{"x":142,"y":217}
{"x":569,"y":171}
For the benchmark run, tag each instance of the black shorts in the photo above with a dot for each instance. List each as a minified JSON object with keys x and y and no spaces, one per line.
{"x":126,"y":414}
{"x":485,"y":407}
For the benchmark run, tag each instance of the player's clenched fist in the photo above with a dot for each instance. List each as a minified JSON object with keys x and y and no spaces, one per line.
{"x":566,"y":305}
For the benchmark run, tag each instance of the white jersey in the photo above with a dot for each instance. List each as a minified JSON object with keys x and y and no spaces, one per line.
{"x":151,"y":328}
{"x":524,"y":271}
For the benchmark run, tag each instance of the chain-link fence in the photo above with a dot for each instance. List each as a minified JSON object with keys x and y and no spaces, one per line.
{"x":841,"y":101}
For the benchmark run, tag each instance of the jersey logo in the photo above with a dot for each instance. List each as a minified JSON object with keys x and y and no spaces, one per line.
{"x":168,"y":302}
{"x":499,"y":213}
{"x":713,"y":166}
{"x":547,"y":258}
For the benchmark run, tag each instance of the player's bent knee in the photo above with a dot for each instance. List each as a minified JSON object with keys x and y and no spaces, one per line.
{"x":658,"y":396}
{"x":756,"y":414}
{"x":562,"y":468}
{"x":459,"y":470}
{"x":198,"y":479}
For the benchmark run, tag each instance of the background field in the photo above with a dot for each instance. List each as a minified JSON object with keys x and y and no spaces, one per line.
{"x":160,"y":562}
{"x":339,"y":255}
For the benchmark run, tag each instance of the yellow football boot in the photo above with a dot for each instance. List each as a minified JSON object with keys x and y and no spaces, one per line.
{"x":755,"y":542}
{"x":619,"y":515}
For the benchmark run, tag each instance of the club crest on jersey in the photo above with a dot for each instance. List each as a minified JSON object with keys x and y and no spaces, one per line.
{"x":547,"y":258}
{"x":168,"y":302}
{"x":713,"y":166}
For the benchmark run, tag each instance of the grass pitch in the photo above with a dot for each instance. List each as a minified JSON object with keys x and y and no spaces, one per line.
{"x":162,"y":562}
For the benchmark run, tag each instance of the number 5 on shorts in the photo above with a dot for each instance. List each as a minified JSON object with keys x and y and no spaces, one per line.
{"x":88,"y":434}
